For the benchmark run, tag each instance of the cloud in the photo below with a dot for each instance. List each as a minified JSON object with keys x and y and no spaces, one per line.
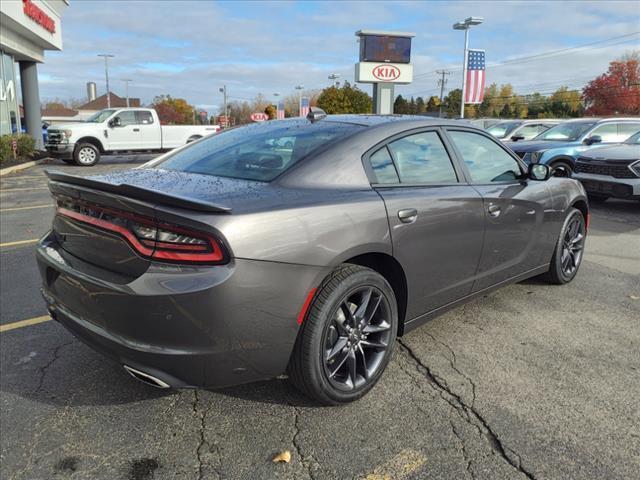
{"x":190,"y":49}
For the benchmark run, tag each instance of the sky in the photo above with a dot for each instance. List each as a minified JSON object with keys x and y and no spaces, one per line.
{"x":189,"y":49}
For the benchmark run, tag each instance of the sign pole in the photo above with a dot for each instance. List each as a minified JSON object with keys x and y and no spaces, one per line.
{"x":464,"y":71}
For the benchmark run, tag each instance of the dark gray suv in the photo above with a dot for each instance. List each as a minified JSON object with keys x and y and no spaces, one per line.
{"x":239,"y":258}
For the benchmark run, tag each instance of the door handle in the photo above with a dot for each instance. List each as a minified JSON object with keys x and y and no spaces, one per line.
{"x":408,"y":215}
{"x":494,"y":210}
{"x":136,"y":129}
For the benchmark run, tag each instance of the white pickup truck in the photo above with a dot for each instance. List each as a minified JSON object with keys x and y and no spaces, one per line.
{"x":119,"y":130}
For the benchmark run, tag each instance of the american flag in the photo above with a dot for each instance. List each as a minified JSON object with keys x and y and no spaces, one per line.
{"x":474,"y":92}
{"x":280,"y":115}
{"x":304,"y":107}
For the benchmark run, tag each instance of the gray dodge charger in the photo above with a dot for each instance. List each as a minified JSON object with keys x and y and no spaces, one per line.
{"x":301,"y":246}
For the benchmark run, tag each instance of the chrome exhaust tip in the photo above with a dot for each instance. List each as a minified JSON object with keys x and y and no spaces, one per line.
{"x":145,"y":377}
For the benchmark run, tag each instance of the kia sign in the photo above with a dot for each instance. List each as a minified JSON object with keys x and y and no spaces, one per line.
{"x":370,"y":72}
{"x":386,"y":73}
{"x":259,"y":117}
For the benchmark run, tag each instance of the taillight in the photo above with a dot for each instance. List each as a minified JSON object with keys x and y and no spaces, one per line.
{"x":150,"y":238}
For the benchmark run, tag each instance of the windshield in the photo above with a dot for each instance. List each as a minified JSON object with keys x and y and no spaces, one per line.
{"x":570,"y":131}
{"x":633,"y":139}
{"x":257,"y":152}
{"x":101,"y":116}
{"x":503,"y":129}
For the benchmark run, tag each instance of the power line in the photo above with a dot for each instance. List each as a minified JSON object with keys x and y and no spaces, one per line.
{"x":550,"y":53}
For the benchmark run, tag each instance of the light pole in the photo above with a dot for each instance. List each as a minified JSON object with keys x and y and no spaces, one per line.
{"x":126,"y":88}
{"x":107,"y":56}
{"x":465,"y":25}
{"x":335,"y":76}
{"x":299,"y":88}
{"x":223,"y":90}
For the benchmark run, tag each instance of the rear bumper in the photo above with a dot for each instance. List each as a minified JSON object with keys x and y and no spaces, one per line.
{"x":609,"y":186}
{"x":188,"y":327}
{"x":60,"y":150}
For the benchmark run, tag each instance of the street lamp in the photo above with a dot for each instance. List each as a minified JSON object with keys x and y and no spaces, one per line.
{"x":335,"y":76}
{"x":126,"y":89}
{"x":223,"y":90}
{"x":465,"y":25}
{"x":299,"y":88}
{"x":107,"y":56}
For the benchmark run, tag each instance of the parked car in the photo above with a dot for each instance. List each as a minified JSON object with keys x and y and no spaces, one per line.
{"x":119,"y":130}
{"x":612,"y":171}
{"x":234,"y":260}
{"x":515,"y":130}
{"x":559,"y":146}
{"x":484,"y":123}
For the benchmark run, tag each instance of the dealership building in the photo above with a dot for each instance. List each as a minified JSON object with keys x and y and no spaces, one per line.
{"x":27,"y":29}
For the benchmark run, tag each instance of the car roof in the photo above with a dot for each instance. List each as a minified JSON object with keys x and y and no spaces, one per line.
{"x":367,"y":120}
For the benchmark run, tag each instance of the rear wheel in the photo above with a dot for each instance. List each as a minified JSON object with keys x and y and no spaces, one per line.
{"x":86,"y":155}
{"x":567,"y":256}
{"x":347,"y":339}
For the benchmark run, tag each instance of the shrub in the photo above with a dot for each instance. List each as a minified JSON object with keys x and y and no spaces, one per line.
{"x":25,"y":146}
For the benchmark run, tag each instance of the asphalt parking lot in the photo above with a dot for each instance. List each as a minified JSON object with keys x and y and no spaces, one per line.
{"x":532,"y":382}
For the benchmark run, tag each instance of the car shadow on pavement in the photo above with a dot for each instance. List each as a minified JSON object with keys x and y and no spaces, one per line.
{"x":52,"y":367}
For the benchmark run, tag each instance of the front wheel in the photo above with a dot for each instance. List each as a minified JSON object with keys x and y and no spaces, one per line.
{"x":561,"y":169}
{"x":567,"y":256}
{"x":347,"y":338}
{"x":86,"y":155}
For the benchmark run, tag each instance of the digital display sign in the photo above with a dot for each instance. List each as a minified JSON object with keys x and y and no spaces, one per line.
{"x":382,"y":48}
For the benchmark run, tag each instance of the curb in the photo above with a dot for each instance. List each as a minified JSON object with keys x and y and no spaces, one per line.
{"x":22,"y":166}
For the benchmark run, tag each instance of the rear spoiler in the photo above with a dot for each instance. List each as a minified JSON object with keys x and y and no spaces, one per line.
{"x":139,"y":193}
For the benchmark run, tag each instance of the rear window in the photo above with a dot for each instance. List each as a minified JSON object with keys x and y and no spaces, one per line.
{"x":258,"y":152}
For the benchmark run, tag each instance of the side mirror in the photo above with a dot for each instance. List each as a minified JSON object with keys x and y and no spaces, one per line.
{"x":115,"y":122}
{"x":539,"y":172}
{"x":517,"y":137}
{"x":593,"y":139}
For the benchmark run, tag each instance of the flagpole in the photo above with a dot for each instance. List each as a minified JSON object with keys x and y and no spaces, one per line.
{"x":464,"y":70}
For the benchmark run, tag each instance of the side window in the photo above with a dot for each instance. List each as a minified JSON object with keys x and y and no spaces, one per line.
{"x":625,"y":130}
{"x":486,"y":160}
{"x":529,"y":131}
{"x":382,"y":166}
{"x":422,"y":158}
{"x":127,"y":117}
{"x":144,"y":117}
{"x":608,"y":132}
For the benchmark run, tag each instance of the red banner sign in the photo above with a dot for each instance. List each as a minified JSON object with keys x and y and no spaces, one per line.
{"x":36,"y":14}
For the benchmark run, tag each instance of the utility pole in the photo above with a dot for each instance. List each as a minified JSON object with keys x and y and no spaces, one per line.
{"x":126,"y":88}
{"x":441,"y":83}
{"x":107,"y":56}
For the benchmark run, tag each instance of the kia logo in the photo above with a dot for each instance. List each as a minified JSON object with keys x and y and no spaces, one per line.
{"x":386,"y":72}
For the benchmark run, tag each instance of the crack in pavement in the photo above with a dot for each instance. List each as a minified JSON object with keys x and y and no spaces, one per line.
{"x":296,"y":444}
{"x":44,"y":369}
{"x":464,"y":450}
{"x":467,"y":413}
{"x":203,"y":443}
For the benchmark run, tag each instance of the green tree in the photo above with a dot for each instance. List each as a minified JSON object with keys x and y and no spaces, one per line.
{"x":345,"y":99}
{"x":451,"y":103}
{"x":421,"y":107}
{"x":400,"y":106}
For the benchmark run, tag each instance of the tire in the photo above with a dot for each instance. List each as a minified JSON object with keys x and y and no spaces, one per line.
{"x":561,"y":168}
{"x":567,"y":243}
{"x":597,"y":198}
{"x":86,"y":155}
{"x":327,"y":352}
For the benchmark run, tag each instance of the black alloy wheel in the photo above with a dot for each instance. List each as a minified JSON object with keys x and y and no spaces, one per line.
{"x":572,"y":246}
{"x":347,"y":337}
{"x":356,"y":338}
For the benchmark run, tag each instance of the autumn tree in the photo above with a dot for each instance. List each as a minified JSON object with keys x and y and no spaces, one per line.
{"x":174,"y":111}
{"x":616,"y":92}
